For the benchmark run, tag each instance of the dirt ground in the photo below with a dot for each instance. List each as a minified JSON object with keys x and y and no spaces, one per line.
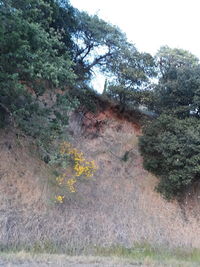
{"x":61,"y":260}
{"x":23,"y":259}
{"x":45,"y":260}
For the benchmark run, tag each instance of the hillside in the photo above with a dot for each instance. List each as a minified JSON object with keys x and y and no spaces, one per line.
{"x":118,"y":206}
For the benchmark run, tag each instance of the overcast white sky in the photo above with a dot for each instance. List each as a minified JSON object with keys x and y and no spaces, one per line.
{"x":150,"y":24}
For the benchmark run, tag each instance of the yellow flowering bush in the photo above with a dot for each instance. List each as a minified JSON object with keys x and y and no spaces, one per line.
{"x":80,"y":168}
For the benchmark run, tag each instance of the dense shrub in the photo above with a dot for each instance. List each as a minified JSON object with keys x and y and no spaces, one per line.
{"x":32,"y":68}
{"x":171,"y":150}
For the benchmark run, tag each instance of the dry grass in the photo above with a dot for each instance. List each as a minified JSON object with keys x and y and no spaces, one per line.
{"x":117,"y":207}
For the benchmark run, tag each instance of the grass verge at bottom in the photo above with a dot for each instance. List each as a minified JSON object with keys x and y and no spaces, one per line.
{"x":145,"y":253}
{"x":142,"y":254}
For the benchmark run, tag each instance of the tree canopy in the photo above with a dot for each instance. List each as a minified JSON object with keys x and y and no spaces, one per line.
{"x":170,"y":143}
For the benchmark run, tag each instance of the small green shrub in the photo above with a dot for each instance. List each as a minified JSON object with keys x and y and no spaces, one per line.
{"x":125,"y":156}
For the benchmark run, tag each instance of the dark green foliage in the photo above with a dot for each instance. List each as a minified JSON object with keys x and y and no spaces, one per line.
{"x":171,"y":150}
{"x":179,"y":93}
{"x":90,"y":100}
{"x":29,"y":52}
{"x":170,"y":144}
{"x":168,"y":58}
{"x":176,"y":92}
{"x":95,"y":43}
{"x":32,"y":68}
{"x":125,"y":156}
{"x":132,"y":71}
{"x":64,"y":21}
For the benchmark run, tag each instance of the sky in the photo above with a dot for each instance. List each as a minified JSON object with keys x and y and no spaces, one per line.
{"x":149,"y":24}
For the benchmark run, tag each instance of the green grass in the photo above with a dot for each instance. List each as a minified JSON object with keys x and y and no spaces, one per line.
{"x":139,"y":253}
{"x":147,"y":253}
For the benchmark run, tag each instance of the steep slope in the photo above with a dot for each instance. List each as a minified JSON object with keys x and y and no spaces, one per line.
{"x":117,"y":206}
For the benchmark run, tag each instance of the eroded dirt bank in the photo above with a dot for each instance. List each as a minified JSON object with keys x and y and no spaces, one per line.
{"x":117,"y":206}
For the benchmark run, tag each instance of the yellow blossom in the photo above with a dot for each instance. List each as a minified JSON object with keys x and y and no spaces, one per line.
{"x":81,"y":168}
{"x":60,"y":179}
{"x":70,"y":184}
{"x":59,"y":198}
